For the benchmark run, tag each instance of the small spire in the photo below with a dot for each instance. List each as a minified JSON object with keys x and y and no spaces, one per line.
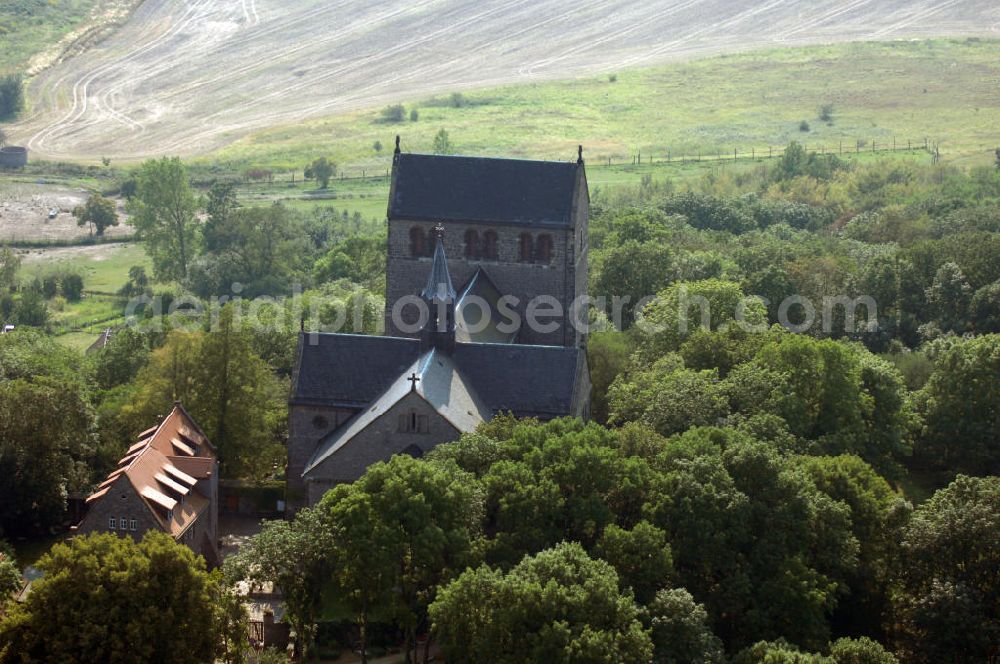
{"x":397,"y":144}
{"x":439,"y":281}
{"x":579,"y":154}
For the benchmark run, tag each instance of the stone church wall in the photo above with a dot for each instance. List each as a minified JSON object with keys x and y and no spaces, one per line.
{"x":379,"y":442}
{"x":407,"y":275}
{"x":307,"y":425}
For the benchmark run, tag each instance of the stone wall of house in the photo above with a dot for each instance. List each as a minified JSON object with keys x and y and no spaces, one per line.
{"x":13,"y":156}
{"x":121,"y":501}
{"x":307,"y":425}
{"x":379,"y":442}
{"x":559,"y":278}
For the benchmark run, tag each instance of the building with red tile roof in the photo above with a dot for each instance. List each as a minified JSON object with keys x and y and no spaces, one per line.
{"x":168,"y":480}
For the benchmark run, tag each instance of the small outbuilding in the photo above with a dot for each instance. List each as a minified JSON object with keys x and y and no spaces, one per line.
{"x":13,"y":156}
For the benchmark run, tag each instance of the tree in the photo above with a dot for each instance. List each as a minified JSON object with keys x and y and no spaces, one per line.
{"x":377,"y":146}
{"x":163,"y":213}
{"x":878,"y":516}
{"x":105,"y":598}
{"x":949,"y":298}
{"x":634,"y":270}
{"x":984,"y":310}
{"x":10,"y":575}
{"x":860,"y":651}
{"x":3,"y":137}
{"x":559,"y":605}
{"x":226,"y":387}
{"x":752,"y":538}
{"x":826,"y":113}
{"x":121,"y":359}
{"x":10,"y":263}
{"x":323,"y":169}
{"x":961,"y":418}
{"x":947,"y":601}
{"x":46,"y":431}
{"x":641,"y":557}
{"x":358,"y":258}
{"x":997,"y":152}
{"x":99,"y":212}
{"x":71,"y":286}
{"x":294,"y":556}
{"x":11,"y":95}
{"x":414,"y":115}
{"x":393,"y":113}
{"x":680,"y":630}
{"x":442,"y":144}
{"x":607,"y":355}
{"x":31,"y":309}
{"x":422,"y":518}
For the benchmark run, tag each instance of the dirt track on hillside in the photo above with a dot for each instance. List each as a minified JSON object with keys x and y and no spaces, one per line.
{"x":187,"y":76}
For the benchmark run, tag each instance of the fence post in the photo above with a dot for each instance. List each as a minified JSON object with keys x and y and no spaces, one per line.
{"x":734,"y":153}
{"x":873,"y":145}
{"x":908,"y":146}
{"x":770,"y":151}
{"x":753,"y":153}
{"x":841,"y":146}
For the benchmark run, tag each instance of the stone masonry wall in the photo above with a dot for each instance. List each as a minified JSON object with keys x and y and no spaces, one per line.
{"x":407,"y":275}
{"x":304,"y":434}
{"x":379,"y":442}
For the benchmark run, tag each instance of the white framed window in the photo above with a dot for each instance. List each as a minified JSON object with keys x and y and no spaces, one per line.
{"x":113,"y":523}
{"x":133,"y":524}
{"x":123,"y":523}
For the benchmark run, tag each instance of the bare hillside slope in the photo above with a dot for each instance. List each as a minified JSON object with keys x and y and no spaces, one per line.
{"x":186,"y":77}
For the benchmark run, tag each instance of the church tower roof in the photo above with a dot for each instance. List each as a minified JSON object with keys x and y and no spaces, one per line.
{"x":439,"y":287}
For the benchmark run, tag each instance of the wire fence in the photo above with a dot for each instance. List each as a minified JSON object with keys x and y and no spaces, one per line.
{"x":737,"y":153}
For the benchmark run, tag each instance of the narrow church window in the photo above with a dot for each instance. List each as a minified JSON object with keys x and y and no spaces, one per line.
{"x":133,"y":524}
{"x":123,"y":523}
{"x":543,"y":253}
{"x":471,"y":244}
{"x":490,"y":245}
{"x":413,"y":423}
{"x":526,"y":252}
{"x":113,"y":523}
{"x":418,"y":242}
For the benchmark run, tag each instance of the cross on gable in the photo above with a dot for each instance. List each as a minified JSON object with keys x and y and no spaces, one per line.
{"x":414,"y":379}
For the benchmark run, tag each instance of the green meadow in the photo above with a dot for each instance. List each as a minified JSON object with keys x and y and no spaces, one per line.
{"x":28,"y":27}
{"x":944,"y":91}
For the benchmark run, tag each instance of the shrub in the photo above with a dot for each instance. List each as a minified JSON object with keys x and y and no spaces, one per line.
{"x":803,"y":126}
{"x":393,"y":113}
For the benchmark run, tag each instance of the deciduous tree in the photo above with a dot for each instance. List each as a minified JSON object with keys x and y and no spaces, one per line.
{"x":163,"y":213}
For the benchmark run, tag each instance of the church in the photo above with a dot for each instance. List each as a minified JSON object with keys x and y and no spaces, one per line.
{"x":486,"y":267}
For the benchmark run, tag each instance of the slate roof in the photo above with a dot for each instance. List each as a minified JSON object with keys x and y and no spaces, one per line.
{"x":349,"y":369}
{"x":441,"y":384}
{"x":468,"y":313}
{"x":527,"y":380}
{"x":354,"y":370}
{"x":439,"y":288}
{"x":477,"y":189}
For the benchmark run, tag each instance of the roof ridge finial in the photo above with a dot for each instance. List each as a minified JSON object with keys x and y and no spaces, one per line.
{"x":439,"y":230}
{"x":397,"y":144}
{"x":579,"y":154}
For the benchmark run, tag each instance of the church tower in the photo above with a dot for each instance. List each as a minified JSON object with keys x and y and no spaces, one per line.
{"x":521,"y":223}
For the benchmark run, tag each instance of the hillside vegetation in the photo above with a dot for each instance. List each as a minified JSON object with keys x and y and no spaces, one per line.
{"x":941,"y":90}
{"x":30,"y":26}
{"x":187,"y":78}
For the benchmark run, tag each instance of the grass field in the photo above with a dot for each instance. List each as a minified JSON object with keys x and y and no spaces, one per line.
{"x":943,"y":90}
{"x":28,"y":27}
{"x":104,"y":269}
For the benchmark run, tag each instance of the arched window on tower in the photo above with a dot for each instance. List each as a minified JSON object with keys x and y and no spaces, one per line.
{"x":490,"y":245}
{"x":418,"y":241}
{"x":526,"y":250}
{"x":543,"y":252}
{"x":471,"y":245}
